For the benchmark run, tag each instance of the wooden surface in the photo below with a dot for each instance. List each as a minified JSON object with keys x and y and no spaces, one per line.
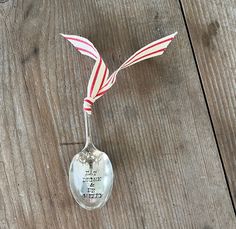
{"x":154,"y":124}
{"x":213,"y":36}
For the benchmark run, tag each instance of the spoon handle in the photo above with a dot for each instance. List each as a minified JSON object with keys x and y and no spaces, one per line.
{"x":88,"y":129}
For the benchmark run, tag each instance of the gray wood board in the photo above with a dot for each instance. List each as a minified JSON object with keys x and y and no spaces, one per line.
{"x":213,"y":37}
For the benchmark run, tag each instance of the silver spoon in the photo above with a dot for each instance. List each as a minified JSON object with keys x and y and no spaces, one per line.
{"x":90,"y":174}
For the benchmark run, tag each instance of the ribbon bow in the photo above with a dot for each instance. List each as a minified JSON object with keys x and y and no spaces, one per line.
{"x":100,"y":81}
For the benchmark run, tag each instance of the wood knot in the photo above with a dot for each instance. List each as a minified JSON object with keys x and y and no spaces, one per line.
{"x":210,"y":33}
{"x":34,"y":52}
{"x":213,"y":28}
{"x":156,"y":17}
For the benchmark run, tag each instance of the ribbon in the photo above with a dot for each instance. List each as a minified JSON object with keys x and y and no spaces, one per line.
{"x":100,"y":81}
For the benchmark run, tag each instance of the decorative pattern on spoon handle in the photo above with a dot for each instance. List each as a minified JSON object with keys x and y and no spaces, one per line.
{"x":100,"y":81}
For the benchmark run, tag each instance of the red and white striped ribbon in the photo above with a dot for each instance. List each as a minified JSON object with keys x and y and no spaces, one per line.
{"x":100,"y":82}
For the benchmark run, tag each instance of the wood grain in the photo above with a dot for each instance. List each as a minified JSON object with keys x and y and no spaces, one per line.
{"x":213,"y":36}
{"x":153,"y":124}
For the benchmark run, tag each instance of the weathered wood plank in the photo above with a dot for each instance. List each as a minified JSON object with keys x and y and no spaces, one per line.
{"x":213,"y":37}
{"x":154,"y":124}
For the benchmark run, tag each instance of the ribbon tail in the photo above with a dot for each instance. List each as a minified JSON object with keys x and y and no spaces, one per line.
{"x":99,"y":73}
{"x":151,"y":50}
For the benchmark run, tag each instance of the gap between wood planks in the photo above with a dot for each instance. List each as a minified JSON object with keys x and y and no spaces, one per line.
{"x":208,"y":109}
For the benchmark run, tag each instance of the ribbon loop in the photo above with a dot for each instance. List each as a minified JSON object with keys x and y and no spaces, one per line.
{"x":88,"y":102}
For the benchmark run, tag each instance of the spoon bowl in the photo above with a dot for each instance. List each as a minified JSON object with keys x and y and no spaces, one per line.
{"x":91,"y":177}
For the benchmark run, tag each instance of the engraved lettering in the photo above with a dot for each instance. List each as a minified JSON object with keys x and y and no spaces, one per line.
{"x":90,"y":178}
{"x":91,"y":190}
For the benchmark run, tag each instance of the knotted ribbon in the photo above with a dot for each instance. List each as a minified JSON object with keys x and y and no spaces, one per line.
{"x":100,"y":81}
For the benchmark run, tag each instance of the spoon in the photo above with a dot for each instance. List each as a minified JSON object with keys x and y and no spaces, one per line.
{"x":90,"y":174}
